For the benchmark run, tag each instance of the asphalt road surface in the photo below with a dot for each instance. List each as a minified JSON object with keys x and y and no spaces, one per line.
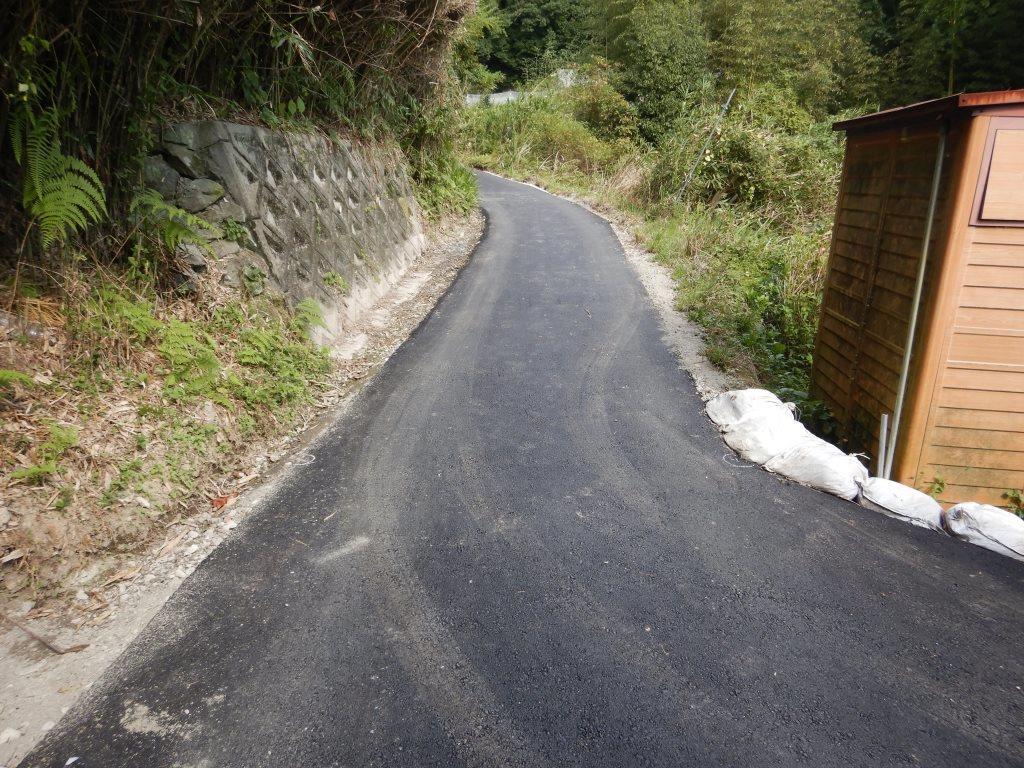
{"x":525,"y":545}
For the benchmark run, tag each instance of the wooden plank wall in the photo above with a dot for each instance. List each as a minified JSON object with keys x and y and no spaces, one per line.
{"x":974,"y":440}
{"x":876,"y":247}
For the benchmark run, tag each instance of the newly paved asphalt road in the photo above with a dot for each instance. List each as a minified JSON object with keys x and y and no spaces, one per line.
{"x":525,"y":545}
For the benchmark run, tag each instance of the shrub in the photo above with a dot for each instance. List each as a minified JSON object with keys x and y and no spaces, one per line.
{"x":604,"y":110}
{"x":768,"y":152}
{"x":661,"y":57}
{"x":534,"y":131}
{"x":753,"y":287}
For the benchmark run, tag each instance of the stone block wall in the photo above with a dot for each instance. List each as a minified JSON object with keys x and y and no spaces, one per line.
{"x":300,"y":211}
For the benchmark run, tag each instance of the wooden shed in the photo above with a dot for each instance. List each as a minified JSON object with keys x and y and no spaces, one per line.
{"x":922,"y":319}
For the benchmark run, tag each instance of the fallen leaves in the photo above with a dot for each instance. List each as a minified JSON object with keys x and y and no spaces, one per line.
{"x":222,"y":502}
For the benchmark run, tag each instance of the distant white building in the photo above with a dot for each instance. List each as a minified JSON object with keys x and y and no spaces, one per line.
{"x":562,"y":78}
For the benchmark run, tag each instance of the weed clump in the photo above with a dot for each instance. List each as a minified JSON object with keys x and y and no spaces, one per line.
{"x":61,"y":438}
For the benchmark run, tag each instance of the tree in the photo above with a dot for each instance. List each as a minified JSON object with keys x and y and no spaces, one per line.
{"x":539,"y":35}
{"x":945,"y":46}
{"x":661,"y":56}
{"x":474,"y":44}
{"x":815,"y":48}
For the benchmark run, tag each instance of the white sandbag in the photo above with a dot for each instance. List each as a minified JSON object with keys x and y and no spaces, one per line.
{"x":902,"y":502}
{"x":987,"y":526}
{"x":729,"y":407}
{"x":819,"y":464}
{"x":764,"y":433}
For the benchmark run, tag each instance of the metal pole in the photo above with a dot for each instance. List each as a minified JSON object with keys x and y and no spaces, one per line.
{"x":915,"y":306}
{"x":707,"y":142}
{"x":883,"y":434}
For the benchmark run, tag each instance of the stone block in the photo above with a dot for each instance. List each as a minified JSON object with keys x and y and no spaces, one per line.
{"x":158,"y":175}
{"x":194,"y":195}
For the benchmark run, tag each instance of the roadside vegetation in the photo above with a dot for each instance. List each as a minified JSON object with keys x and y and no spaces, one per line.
{"x":739,"y":202}
{"x":133,"y":390}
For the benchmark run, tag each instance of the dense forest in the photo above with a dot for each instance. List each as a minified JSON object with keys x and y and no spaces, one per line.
{"x":850,"y":52}
{"x":709,"y":122}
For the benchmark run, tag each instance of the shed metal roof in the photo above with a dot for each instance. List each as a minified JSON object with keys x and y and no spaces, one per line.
{"x":935,"y":108}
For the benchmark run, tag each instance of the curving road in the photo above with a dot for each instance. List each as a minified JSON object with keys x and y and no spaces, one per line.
{"x":525,"y":545}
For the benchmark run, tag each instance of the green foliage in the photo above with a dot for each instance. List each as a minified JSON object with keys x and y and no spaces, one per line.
{"x":443,"y":185}
{"x":336,"y":281}
{"x":307,"y":316}
{"x":60,"y":440}
{"x":36,"y":474}
{"x":172,"y":225}
{"x":130,"y":475}
{"x":815,"y":49}
{"x":538,"y":36}
{"x":534,"y":131}
{"x":768,"y":152}
{"x":254,"y":279}
{"x":236,"y":232}
{"x":193,"y":367}
{"x":64,"y":498}
{"x":61,"y":194}
{"x":281,"y":368}
{"x":661,"y":58}
{"x":474,"y":45}
{"x":937,"y":47}
{"x":936,"y":486}
{"x":48,"y":453}
{"x":1015,"y":498}
{"x":9,"y":378}
{"x":92,"y":74}
{"x":754,"y":288}
{"x":109,"y":313}
{"x":604,"y":110}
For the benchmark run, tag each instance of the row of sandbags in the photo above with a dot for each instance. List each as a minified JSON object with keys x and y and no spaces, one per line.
{"x":763,"y":429}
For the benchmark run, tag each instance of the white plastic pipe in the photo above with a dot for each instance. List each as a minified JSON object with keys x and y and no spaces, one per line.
{"x":915,"y":306}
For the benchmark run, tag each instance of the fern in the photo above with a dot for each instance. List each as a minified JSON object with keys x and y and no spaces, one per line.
{"x":9,"y":378}
{"x":62,"y":194}
{"x":173,"y":225}
{"x":61,"y":438}
{"x":308,"y":315}
{"x":280,"y":370}
{"x":36,"y":474}
{"x":109,"y":313}
{"x":193,"y":364}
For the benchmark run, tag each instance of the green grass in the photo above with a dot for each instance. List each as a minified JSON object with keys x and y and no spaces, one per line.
{"x":9,"y":378}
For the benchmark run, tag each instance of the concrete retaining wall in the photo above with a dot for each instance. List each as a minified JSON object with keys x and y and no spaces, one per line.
{"x":300,"y":209}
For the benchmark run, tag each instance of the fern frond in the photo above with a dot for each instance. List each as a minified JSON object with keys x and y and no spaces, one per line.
{"x":62,"y":193}
{"x":17,"y":129}
{"x":173,"y":225}
{"x":42,"y":150}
